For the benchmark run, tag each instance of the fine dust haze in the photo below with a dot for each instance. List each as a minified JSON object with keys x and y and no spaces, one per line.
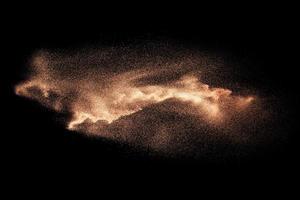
{"x":159,"y":97}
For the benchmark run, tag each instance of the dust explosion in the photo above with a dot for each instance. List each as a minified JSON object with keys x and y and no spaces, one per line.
{"x":147,"y":98}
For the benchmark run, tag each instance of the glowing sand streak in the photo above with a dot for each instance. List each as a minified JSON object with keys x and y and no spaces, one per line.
{"x":125,"y":99}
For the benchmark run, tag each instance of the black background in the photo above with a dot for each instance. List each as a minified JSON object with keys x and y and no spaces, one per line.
{"x":261,"y":37}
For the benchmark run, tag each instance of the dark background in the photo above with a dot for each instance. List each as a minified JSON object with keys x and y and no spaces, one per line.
{"x":262,"y":38}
